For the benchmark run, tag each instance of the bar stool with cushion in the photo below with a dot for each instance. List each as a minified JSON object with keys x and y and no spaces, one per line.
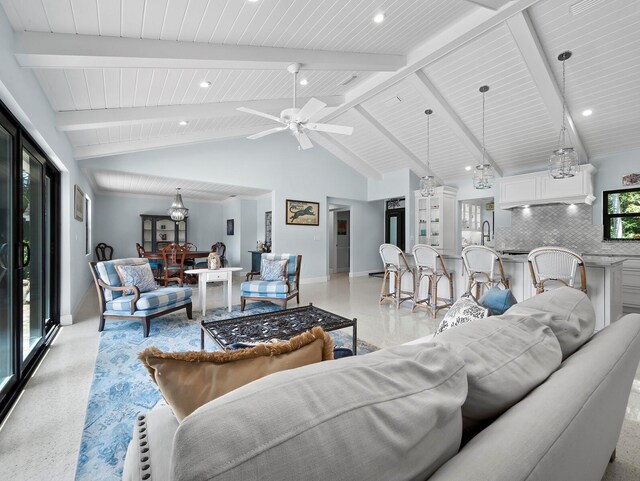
{"x":395,"y":263}
{"x":430,"y":265}
{"x":484,"y":268}
{"x":556,"y":265}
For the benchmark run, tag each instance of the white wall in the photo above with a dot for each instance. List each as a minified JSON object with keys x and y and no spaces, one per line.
{"x":272,"y":163}
{"x":117,"y":221}
{"x":20,"y":91}
{"x":611,"y":168}
{"x":249,"y":235}
{"x":263,"y":204}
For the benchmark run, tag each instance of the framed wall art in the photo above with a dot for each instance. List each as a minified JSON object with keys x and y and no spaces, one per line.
{"x":230,"y":226}
{"x":78,"y":204}
{"x":302,"y":212}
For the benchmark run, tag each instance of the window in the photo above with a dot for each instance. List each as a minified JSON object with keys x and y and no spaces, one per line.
{"x":621,"y":214}
{"x":87,"y":225}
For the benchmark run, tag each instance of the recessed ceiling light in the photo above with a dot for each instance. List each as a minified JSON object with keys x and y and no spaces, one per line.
{"x":526,"y":206}
{"x":587,"y":112}
{"x":379,"y":18}
{"x":304,"y":81}
{"x":205,"y":84}
{"x":468,"y":167}
{"x":183,"y":122}
{"x":253,"y":1}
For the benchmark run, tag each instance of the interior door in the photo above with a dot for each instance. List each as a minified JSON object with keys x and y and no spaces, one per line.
{"x":394,"y":227}
{"x":343,"y":243}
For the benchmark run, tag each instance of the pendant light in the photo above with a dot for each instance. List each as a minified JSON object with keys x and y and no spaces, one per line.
{"x":564,"y":161}
{"x":428,"y":182}
{"x":178,"y":211}
{"x":483,"y":173}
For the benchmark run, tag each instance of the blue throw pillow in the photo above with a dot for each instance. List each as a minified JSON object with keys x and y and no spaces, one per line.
{"x":498,"y":300}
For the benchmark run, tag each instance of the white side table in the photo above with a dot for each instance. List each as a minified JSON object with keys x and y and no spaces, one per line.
{"x":213,"y":275}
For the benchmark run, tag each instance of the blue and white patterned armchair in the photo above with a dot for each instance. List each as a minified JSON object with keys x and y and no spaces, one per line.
{"x":116,"y":304}
{"x":278,"y":292}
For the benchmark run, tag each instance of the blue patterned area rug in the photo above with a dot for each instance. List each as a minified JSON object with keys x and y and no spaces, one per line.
{"x":122,"y":388}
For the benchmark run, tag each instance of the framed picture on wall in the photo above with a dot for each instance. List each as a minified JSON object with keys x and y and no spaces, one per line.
{"x":230,"y":226}
{"x":302,"y":212}
{"x":342,"y":227}
{"x":78,"y":204}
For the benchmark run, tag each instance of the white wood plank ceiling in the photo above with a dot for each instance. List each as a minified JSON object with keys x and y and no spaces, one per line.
{"x":426,"y":54}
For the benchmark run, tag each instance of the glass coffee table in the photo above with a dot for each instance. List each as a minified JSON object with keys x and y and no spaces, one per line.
{"x":282,"y":325}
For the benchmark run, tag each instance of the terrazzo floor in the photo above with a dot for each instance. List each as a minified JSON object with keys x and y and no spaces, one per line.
{"x":41,"y":437}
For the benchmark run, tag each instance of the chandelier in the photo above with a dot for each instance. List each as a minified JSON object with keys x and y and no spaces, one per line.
{"x":483,"y":173}
{"x":428,"y":182}
{"x":564,"y":161}
{"x":178,"y":211}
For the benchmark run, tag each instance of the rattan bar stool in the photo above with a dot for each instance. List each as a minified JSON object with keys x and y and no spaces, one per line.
{"x":430,"y":265}
{"x":556,"y":264}
{"x":395,"y":263}
{"x":480,"y":262}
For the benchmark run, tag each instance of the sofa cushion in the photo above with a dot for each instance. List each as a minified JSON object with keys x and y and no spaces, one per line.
{"x":139,"y":275}
{"x":265,"y":287}
{"x":504,"y":361}
{"x":567,"y":311}
{"x":391,"y":414}
{"x":162,"y":297}
{"x":189,"y":380}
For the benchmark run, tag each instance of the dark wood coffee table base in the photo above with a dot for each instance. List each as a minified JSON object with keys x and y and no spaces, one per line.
{"x":282,"y":325}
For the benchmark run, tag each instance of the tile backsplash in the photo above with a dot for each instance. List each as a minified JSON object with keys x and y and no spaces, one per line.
{"x":569,"y":226}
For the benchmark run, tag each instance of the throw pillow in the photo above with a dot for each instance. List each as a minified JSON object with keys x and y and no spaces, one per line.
{"x":139,"y":275}
{"x":463,"y":310}
{"x":273,"y":270}
{"x":498,"y":300}
{"x":188,"y":380}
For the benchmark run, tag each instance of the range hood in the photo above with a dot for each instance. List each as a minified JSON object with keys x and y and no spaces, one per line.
{"x":540,"y":188}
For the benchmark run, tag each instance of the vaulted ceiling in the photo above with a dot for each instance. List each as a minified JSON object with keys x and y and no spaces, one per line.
{"x":121,"y":74}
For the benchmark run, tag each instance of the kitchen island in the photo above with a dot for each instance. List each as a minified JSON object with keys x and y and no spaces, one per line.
{"x":604,"y":282}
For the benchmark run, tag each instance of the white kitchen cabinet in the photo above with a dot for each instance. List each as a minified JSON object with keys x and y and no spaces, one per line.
{"x":631,"y":285}
{"x":435,"y":220}
{"x":540,"y":188}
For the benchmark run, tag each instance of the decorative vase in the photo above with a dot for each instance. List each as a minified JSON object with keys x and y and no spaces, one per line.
{"x":214,"y":261}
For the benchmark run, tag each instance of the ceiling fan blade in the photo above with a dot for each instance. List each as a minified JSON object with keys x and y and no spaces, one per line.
{"x":261,"y":114}
{"x":303,"y":140}
{"x":336,"y":129}
{"x":312,"y":107}
{"x":266,"y":132}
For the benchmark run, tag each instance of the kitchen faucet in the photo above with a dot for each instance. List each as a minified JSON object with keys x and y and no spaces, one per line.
{"x":488,"y":234}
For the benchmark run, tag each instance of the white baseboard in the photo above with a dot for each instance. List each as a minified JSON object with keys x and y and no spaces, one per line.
{"x":361,"y":274}
{"x":312,"y":280}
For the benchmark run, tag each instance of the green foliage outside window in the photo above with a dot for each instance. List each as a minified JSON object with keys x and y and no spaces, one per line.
{"x":623,"y":214}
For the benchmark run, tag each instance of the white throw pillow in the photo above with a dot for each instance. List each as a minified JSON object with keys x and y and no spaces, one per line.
{"x":273,"y":270}
{"x":139,"y":275}
{"x":463,"y":310}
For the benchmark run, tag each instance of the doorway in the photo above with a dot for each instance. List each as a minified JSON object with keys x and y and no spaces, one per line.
{"x":342,"y":229}
{"x":394,"y":227}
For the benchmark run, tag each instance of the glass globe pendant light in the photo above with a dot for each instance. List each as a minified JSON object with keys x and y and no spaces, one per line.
{"x":483,"y":173}
{"x":178,"y":211}
{"x":564,"y":161}
{"x":428,"y":182}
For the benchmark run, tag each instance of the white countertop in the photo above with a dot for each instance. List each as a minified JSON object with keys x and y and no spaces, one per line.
{"x":589,"y":261}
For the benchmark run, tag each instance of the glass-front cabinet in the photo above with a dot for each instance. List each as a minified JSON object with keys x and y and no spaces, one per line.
{"x":435,"y":220}
{"x":159,"y":231}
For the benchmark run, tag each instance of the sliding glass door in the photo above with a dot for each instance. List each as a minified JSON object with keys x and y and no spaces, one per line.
{"x":7,"y":344}
{"x":29,"y":253}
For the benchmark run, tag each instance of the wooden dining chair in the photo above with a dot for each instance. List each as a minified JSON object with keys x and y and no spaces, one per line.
{"x":156,"y":265}
{"x":173,"y":257}
{"x":104,"y":252}
{"x":220,"y":249}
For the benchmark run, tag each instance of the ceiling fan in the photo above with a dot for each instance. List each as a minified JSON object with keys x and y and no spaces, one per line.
{"x":297,"y":120}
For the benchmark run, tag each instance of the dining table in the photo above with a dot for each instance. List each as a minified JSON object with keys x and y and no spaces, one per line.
{"x":187,"y":255}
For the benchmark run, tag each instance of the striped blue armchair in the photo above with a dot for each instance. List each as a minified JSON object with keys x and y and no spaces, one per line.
{"x":278,"y":292}
{"x":115,"y":303}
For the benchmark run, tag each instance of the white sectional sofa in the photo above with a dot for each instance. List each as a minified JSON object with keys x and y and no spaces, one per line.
{"x":544,"y":398}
